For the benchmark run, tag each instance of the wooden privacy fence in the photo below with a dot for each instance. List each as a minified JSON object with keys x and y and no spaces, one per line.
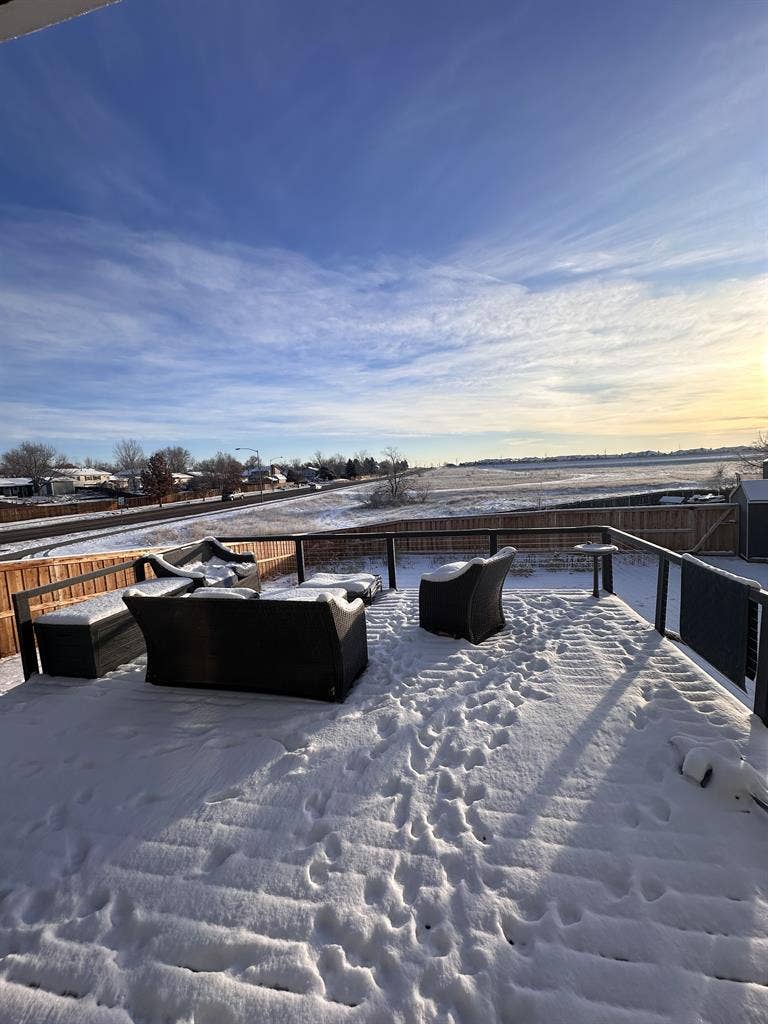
{"x":273,"y":558}
{"x":710,"y":529}
{"x":22,"y":513}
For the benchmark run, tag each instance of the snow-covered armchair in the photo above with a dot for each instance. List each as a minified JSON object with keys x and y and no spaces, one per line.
{"x":463,"y":599}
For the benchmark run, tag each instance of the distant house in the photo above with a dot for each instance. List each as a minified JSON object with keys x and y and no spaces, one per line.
{"x":268,"y":474}
{"x":125,"y":480}
{"x":752,"y":498}
{"x":23,"y":487}
{"x":276,"y":480}
{"x":16,"y":487}
{"x":58,"y":485}
{"x":83,"y":477}
{"x":182,"y":479}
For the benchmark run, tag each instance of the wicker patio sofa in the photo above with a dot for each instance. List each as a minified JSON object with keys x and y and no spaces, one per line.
{"x":302,"y":648}
{"x":208,"y":563}
{"x":463,"y":599}
{"x":95,"y":636}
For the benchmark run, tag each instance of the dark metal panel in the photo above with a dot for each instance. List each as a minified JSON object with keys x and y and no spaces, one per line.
{"x":714,"y":618}
{"x":757,"y":530}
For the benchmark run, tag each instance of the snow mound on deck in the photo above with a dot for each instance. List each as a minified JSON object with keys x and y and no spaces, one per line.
{"x":479,"y":834}
{"x":721,"y":767}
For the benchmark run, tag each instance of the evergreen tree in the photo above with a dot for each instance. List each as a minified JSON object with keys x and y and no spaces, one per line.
{"x":156,"y":478}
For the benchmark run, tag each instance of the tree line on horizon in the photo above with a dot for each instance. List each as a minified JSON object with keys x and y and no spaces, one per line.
{"x":40,"y":462}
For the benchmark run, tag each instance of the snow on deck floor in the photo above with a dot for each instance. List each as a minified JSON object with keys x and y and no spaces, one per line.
{"x":479,"y":834}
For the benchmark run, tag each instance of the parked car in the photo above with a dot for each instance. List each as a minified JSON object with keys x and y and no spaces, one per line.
{"x":231,"y":495}
{"x":315,"y":487}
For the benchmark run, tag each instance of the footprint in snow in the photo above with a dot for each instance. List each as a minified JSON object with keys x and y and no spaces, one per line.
{"x":226,"y":794}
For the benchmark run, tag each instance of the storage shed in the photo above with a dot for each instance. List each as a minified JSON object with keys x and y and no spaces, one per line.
{"x":752,"y":498}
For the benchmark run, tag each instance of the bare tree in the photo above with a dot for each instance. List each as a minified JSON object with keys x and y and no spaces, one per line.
{"x":129,"y":458}
{"x":223,"y":472}
{"x":722,"y":479}
{"x":752,"y":462}
{"x":393,"y":465}
{"x":179,"y":459}
{"x":39,"y":462}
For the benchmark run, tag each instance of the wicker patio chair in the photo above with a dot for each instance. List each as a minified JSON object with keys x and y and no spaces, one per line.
{"x":463,"y":599}
{"x":313,"y":649}
{"x":179,"y":562}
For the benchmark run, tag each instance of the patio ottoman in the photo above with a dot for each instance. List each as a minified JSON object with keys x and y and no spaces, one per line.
{"x":356,"y":584}
{"x":95,"y":636}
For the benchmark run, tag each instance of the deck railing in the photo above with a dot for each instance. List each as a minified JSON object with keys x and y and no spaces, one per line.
{"x":757,"y":653}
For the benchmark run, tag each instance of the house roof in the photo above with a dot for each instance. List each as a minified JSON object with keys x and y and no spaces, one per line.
{"x":15,"y":481}
{"x":19,"y":17}
{"x":84,"y":471}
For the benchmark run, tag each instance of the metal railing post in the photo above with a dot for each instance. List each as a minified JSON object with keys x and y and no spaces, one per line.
{"x":140,"y":570}
{"x":299,"y":543}
{"x":761,"y":678}
{"x":391,"y":562}
{"x":662,"y":587}
{"x":493,"y":545}
{"x":607,"y":565}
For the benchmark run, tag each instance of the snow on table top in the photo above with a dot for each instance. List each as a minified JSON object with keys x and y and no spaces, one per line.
{"x":93,"y":609}
{"x":479,"y":834}
{"x":354,"y":582}
{"x":308,"y":594}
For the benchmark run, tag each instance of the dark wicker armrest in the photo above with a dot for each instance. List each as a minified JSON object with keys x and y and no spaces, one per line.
{"x":217,"y":549}
{"x":165,"y":570}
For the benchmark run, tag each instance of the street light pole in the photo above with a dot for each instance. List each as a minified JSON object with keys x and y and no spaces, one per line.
{"x":258,"y":465}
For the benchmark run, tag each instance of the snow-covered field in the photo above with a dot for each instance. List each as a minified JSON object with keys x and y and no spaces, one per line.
{"x":479,"y":834}
{"x":462,"y":491}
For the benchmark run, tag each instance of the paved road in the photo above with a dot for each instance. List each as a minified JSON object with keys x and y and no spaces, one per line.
{"x":115,"y":524}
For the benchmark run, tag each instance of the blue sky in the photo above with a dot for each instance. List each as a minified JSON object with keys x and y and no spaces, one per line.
{"x":472,"y":230}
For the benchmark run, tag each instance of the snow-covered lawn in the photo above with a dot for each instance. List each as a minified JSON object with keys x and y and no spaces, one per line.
{"x":479,"y":834}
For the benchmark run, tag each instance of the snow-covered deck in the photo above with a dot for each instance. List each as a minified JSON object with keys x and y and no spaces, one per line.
{"x":479,"y":834}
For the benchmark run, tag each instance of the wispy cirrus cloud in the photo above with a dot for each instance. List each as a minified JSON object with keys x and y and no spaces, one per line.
{"x":509,"y":226}
{"x":107,"y":332}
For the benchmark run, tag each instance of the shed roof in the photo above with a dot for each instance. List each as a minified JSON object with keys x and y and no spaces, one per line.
{"x":755,"y":490}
